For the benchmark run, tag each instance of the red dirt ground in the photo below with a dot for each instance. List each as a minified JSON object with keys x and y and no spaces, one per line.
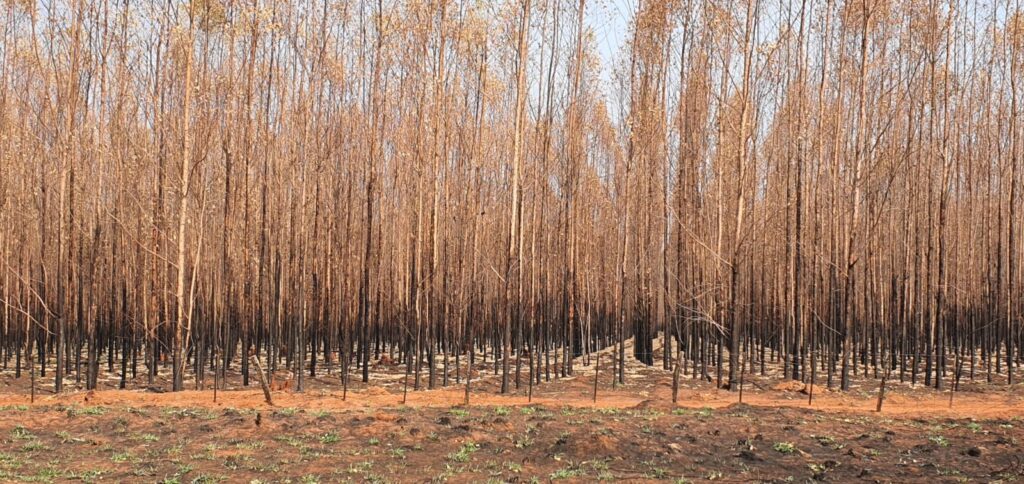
{"x":633,"y":432}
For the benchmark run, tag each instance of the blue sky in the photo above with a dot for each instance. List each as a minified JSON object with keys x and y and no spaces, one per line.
{"x":610,"y":21}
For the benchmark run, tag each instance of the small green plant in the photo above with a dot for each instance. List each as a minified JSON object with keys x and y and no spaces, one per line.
{"x":272,"y":467}
{"x":527,"y":410}
{"x":8,"y":461}
{"x":90,"y":475}
{"x":374,"y":441}
{"x":121,"y":457}
{"x":784,"y":447}
{"x":288,"y":411}
{"x":445,"y":475}
{"x":939,"y":440}
{"x":137,"y":411}
{"x":19,"y":432}
{"x":599,"y":465}
{"x":289,"y":439}
{"x":204,"y":479}
{"x":144,"y":471}
{"x":65,"y":437}
{"x":462,"y":455}
{"x":459,"y":412}
{"x":329,"y":438}
{"x":250,"y":445}
{"x":657,"y":473}
{"x":829,"y":441}
{"x":46,"y":474}
{"x":232,"y":462}
{"x":502,"y":411}
{"x":566,"y":473}
{"x":149,"y":438}
{"x":523,"y":442}
{"x":33,"y":446}
{"x":974,"y":427}
{"x":186,"y":413}
{"x":360,"y":467}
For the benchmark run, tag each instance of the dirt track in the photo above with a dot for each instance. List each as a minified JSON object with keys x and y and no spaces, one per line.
{"x":930,"y":404}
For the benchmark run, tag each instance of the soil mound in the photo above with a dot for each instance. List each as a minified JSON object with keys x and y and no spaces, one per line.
{"x":790,"y":386}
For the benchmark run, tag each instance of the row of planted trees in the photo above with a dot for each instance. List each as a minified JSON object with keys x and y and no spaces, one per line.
{"x":830,"y":188}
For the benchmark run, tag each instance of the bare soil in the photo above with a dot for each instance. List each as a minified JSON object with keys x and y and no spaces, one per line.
{"x":632,"y":433}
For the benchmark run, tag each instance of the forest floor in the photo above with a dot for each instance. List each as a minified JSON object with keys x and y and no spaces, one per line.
{"x":633,"y":432}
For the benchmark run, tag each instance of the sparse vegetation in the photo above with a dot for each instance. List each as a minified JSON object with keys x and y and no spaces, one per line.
{"x":329,"y":438}
{"x":566,"y":473}
{"x":784,"y":447}
{"x":462,"y":455}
